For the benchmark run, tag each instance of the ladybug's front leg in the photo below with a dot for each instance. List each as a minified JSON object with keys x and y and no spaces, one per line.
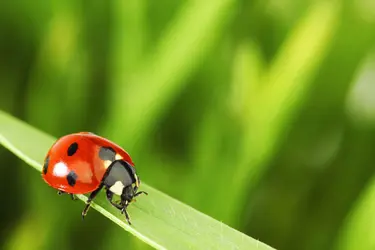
{"x":135,"y":193}
{"x":89,"y":200}
{"x":140,"y":192}
{"x":110,"y":197}
{"x":123,"y":211}
{"x":121,"y":207}
{"x":126,"y":197}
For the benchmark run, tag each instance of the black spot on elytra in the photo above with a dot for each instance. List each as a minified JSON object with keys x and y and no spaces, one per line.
{"x":72,"y":149}
{"x":45,"y":166}
{"x":107,"y":154}
{"x":71,"y":178}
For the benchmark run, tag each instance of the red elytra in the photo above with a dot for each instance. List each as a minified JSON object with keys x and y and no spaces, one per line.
{"x":85,"y":162}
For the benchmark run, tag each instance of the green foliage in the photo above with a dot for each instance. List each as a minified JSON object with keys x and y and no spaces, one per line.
{"x":158,"y":220}
{"x":257,"y":113}
{"x":359,"y":225}
{"x":161,"y":76}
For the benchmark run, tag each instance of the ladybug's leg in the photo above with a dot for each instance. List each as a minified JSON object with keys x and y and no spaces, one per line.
{"x":121,"y":207}
{"x":89,"y":200}
{"x":124,"y":205}
{"x":123,"y":211}
{"x":109,"y":198}
{"x":140,"y":192}
{"x":71,"y":195}
{"x":126,"y":196}
{"x":136,"y":188}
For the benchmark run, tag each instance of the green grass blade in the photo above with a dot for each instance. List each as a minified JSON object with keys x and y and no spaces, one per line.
{"x":285,"y":87}
{"x":161,"y":77}
{"x":289,"y":79}
{"x":158,"y":219}
{"x":357,"y":232}
{"x":272,"y":103}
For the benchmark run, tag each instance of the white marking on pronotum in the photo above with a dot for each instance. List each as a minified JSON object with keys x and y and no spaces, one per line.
{"x":117,"y":188}
{"x":60,"y":169}
{"x":107,"y":163}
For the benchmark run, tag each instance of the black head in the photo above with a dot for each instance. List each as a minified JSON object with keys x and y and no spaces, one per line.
{"x":128,"y":194}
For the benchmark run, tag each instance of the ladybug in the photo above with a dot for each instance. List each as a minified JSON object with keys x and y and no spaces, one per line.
{"x":83,"y":163}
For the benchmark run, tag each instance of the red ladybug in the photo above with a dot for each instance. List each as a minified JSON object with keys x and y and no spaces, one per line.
{"x":84,"y":162}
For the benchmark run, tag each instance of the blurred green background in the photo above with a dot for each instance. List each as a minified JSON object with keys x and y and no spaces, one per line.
{"x":260,"y":113}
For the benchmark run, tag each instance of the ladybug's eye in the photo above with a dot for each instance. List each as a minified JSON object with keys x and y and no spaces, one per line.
{"x":72,"y":149}
{"x":45,"y":166}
